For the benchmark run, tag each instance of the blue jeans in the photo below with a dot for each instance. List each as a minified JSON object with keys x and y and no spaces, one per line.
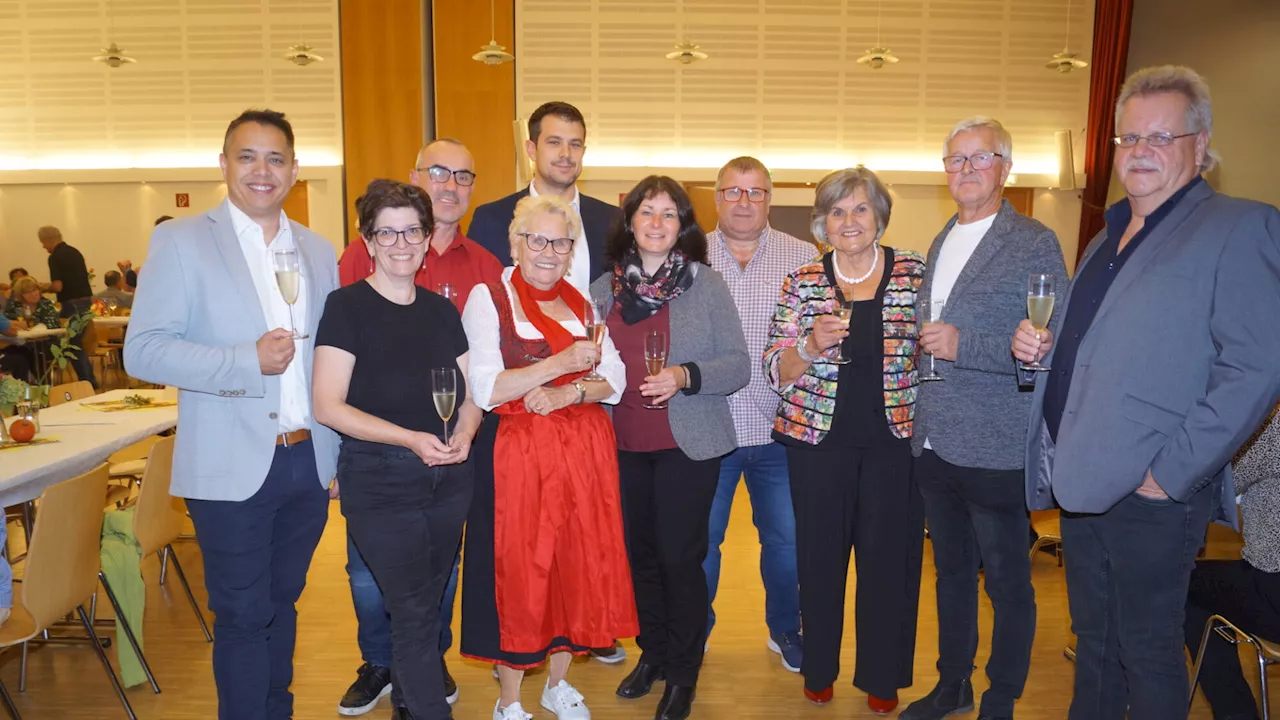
{"x":6,"y":572}
{"x":769,"y":485}
{"x":373,"y":623}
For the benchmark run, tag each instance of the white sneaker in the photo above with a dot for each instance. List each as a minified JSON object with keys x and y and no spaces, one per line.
{"x":565,"y":701}
{"x":511,"y":712}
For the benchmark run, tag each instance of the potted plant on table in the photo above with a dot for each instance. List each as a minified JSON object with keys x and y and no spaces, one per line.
{"x":62,"y":351}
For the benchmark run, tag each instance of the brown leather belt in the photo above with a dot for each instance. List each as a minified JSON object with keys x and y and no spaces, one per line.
{"x":293,"y":438}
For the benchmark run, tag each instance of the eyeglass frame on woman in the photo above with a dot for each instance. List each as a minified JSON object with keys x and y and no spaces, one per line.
{"x":384,"y":232}
{"x":465,"y":178}
{"x":986,"y":163}
{"x":740,"y":191}
{"x":1129,"y":140}
{"x":543,"y":240}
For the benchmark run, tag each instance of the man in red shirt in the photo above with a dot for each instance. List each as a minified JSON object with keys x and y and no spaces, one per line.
{"x":446,"y":171}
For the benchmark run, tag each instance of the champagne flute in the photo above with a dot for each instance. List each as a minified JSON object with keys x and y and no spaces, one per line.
{"x":842,"y":311}
{"x":595,"y":314}
{"x":288,"y":277}
{"x":655,"y":359}
{"x":112,"y":306}
{"x":930,"y":312}
{"x":1040,"y":294}
{"x":448,"y":292}
{"x":444,"y":393}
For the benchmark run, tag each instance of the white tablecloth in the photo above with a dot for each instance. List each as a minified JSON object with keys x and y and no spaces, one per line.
{"x":87,"y":439}
{"x":111,"y":322}
{"x":38,"y":334}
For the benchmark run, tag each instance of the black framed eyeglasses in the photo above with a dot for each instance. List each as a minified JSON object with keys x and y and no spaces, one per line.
{"x":1153,"y":140}
{"x":978,"y":161}
{"x":537,"y":243}
{"x":441,"y":174}
{"x":387,"y":237}
{"x":734,"y":194}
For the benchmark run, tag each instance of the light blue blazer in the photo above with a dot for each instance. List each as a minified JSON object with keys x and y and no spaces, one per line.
{"x":195,"y":325}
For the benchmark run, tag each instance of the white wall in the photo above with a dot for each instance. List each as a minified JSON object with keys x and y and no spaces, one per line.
{"x":108,"y":215}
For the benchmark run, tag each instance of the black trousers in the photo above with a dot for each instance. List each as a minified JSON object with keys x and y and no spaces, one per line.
{"x":864,"y":500}
{"x":1250,"y":599}
{"x":406,"y":520}
{"x":666,"y":507}
{"x":977,"y":516}
{"x":84,"y":368}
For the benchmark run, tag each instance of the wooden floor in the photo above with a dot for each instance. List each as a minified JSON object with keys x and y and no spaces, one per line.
{"x":740,"y":677}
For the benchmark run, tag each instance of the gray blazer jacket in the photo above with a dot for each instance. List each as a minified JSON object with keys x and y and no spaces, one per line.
{"x":1179,"y":367}
{"x":195,"y":325}
{"x":705,"y":331}
{"x":976,"y":417}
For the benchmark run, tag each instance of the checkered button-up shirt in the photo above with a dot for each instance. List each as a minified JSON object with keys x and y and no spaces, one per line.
{"x":755,"y":291}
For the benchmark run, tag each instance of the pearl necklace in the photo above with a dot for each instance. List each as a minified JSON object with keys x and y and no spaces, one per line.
{"x":835,"y":265}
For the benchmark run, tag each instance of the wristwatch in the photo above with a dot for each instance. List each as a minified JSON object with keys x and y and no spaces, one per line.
{"x":581,"y":387}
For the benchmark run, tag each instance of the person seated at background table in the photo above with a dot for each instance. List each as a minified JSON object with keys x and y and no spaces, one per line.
{"x":14,"y":359}
{"x":29,"y":307}
{"x":847,"y":427}
{"x":673,"y":426}
{"x":116,"y":290}
{"x":1245,"y":591}
{"x":546,"y":566}
{"x":14,"y":274}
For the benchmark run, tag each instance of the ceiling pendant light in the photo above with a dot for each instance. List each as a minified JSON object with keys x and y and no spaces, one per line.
{"x":302,"y":54}
{"x":1065,"y":62}
{"x":877,"y":56}
{"x":686,"y":53}
{"x":493,"y":53}
{"x":113,"y":55}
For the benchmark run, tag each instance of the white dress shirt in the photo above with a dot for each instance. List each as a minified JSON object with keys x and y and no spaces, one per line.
{"x":480,"y":321}
{"x":579,"y":274}
{"x":295,"y":401}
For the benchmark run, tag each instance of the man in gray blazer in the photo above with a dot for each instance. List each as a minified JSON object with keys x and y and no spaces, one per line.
{"x":971,"y":427}
{"x":1165,"y":362}
{"x":250,"y":460}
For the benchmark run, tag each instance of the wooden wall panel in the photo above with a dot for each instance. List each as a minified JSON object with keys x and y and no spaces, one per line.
{"x":297,"y":204}
{"x":382,"y":86}
{"x":474,"y":102}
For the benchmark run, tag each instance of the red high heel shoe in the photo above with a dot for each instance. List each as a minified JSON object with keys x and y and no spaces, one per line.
{"x":821,"y":697}
{"x":882,"y":706}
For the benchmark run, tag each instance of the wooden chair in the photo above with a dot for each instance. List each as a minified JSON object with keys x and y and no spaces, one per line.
{"x":94,"y":349}
{"x":158,"y":518}
{"x":1268,"y":654}
{"x":126,"y":467}
{"x":62,"y":571}
{"x":1048,"y":527}
{"x":68,"y":392}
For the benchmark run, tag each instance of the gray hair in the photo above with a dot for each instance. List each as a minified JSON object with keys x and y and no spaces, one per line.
{"x":841,"y":184}
{"x":48,"y":232}
{"x":531,"y":207}
{"x":745,"y":164}
{"x":1004,"y":143}
{"x":1175,"y":79}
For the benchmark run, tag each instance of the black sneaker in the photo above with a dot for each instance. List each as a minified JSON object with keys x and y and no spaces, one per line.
{"x":953,"y":698}
{"x":372,"y":683}
{"x":450,"y":687}
{"x":610,"y":655}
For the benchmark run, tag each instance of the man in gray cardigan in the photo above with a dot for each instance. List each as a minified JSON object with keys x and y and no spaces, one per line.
{"x":971,"y":426}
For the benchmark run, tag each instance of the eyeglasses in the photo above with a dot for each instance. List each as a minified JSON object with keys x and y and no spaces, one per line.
{"x":441,"y":174}
{"x":1153,"y":140}
{"x":734,"y":194}
{"x":978,"y":161}
{"x":386,"y":237}
{"x":537,"y":243}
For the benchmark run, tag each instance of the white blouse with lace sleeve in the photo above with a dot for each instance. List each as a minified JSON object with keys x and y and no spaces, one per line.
{"x":480,"y":321}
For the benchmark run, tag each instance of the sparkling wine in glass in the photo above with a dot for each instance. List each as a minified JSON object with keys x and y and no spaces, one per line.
{"x":112,"y":306}
{"x":444,"y":394}
{"x":1040,"y":293}
{"x":596,"y":313}
{"x":448,"y":292}
{"x":655,"y":359}
{"x":930,"y":311}
{"x":843,"y":311}
{"x":289,"y":278}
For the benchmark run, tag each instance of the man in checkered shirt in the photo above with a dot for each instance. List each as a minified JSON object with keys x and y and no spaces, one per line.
{"x":754,"y":260}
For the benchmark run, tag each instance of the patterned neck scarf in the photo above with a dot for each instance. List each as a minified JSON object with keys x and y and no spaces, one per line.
{"x":639,"y":295}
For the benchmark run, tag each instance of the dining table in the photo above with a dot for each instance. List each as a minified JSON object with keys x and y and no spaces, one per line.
{"x":84,"y":433}
{"x":114,"y":321}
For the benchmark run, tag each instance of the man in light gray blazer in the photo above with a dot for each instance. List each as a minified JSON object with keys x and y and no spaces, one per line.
{"x":250,"y":460}
{"x":971,"y":426}
{"x":1163,"y":364}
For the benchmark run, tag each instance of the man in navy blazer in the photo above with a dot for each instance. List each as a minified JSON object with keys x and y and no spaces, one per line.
{"x":210,"y":319}
{"x":1163,"y":365}
{"x":557,"y":141}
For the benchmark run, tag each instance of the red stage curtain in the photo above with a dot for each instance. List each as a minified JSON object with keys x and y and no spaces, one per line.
{"x":1112,"y":20}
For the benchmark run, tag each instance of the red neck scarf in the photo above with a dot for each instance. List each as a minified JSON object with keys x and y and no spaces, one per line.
{"x":557,"y":337}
